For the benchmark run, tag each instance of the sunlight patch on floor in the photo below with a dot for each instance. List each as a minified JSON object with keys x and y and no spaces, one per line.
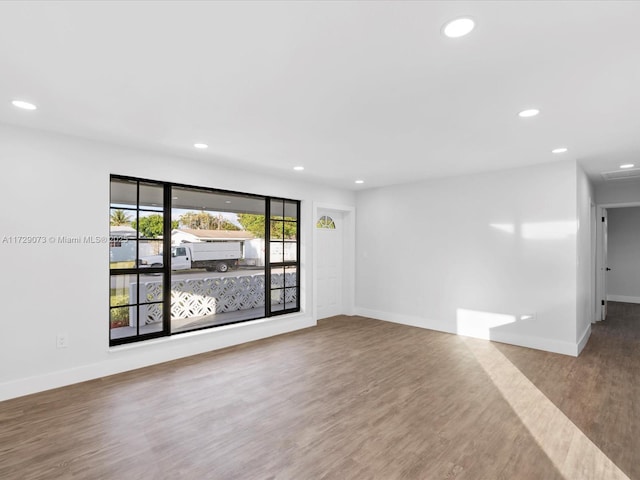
{"x":570,"y":450}
{"x":477,"y":324}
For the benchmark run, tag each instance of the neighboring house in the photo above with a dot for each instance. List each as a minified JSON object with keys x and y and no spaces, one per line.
{"x":122,"y":243}
{"x":191,"y":235}
{"x":252,"y":247}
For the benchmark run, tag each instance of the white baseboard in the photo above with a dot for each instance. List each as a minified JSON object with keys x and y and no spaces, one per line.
{"x":584,"y":339}
{"x":405,"y":320}
{"x":623,"y":298}
{"x":139,"y":355}
{"x":538,"y":343}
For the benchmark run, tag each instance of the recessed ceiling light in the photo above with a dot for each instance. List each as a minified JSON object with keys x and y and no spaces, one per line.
{"x":227,"y":201}
{"x":359,"y":181}
{"x":201,"y":146}
{"x":458,"y":27}
{"x":559,"y":150}
{"x":532,"y":112}
{"x":299,"y":169}
{"x":24,"y":105}
{"x":174,"y":198}
{"x":627,"y":165}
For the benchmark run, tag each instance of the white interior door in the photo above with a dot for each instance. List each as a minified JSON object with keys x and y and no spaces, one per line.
{"x":602,"y":264}
{"x":330,"y":263}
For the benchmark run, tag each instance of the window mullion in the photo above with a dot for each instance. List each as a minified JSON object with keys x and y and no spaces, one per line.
{"x":267,"y":257}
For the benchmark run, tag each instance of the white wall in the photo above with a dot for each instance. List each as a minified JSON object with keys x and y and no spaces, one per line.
{"x":55,"y":185}
{"x":499,"y":255}
{"x":623,"y":254}
{"x":586,"y":274}
{"x":617,"y":191}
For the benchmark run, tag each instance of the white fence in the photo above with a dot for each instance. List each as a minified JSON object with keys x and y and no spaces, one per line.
{"x":207,"y":296}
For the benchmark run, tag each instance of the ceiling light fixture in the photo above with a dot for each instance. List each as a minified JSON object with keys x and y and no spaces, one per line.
{"x":532,"y":112}
{"x":24,"y":105}
{"x":559,"y":150}
{"x":201,"y":146}
{"x":299,"y":169}
{"x":458,"y":27}
{"x":359,"y":181}
{"x":627,"y":165}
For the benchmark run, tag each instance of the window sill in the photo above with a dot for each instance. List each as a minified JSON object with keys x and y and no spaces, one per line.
{"x":178,"y":337}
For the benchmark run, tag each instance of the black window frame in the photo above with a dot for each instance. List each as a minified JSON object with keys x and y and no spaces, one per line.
{"x":281,"y":217}
{"x":165,"y":270}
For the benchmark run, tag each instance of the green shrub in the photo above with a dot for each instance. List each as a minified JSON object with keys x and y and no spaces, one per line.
{"x":119,"y":316}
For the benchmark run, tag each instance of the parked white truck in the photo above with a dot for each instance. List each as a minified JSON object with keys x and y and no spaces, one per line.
{"x":220,"y":256}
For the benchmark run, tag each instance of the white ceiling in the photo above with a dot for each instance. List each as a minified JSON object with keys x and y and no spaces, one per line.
{"x":368,"y":90}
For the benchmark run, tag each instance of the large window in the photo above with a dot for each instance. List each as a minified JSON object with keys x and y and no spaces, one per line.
{"x":185,"y":258}
{"x":135,"y":207}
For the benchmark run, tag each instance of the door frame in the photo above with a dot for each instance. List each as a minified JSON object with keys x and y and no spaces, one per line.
{"x":349,"y":257}
{"x":593,"y":265}
{"x":599,"y":271}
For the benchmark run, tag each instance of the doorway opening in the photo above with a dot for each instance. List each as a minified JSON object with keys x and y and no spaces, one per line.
{"x":617,"y":256}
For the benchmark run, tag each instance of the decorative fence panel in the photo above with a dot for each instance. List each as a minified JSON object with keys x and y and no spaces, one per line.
{"x":207,"y":296}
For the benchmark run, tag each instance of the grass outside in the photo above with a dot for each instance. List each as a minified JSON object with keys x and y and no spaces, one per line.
{"x":129,"y":264}
{"x":119,"y":317}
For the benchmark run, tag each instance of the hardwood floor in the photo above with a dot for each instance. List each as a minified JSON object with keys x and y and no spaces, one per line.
{"x":353,"y":398}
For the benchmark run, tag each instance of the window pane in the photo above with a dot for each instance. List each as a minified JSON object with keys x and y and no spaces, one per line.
{"x":290,"y":251}
{"x":124,"y":321}
{"x":120,"y":220}
{"x":149,"y":225}
{"x":124,"y":193}
{"x":290,"y":277}
{"x":120,"y":317}
{"x":122,"y":245}
{"x":151,"y":197}
{"x":283,"y":230}
{"x":218,"y":258}
{"x":120,"y":322}
{"x":276,"y":252}
{"x":290,"y":210}
{"x":150,"y":254}
{"x":284,"y":209}
{"x":277,"y":230}
{"x":216,"y":298}
{"x":277,"y":208}
{"x":326,"y":222}
{"x":277,"y":277}
{"x":290,"y":230}
{"x":150,"y":318}
{"x":150,"y":288}
{"x":277,"y":300}
{"x":290,"y":295}
{"x":121,"y":290}
{"x":122,"y":252}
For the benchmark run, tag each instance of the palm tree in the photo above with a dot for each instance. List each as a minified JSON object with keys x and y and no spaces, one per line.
{"x":119,"y":217}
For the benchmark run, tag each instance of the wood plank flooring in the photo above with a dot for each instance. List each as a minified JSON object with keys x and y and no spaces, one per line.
{"x":353,"y":398}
